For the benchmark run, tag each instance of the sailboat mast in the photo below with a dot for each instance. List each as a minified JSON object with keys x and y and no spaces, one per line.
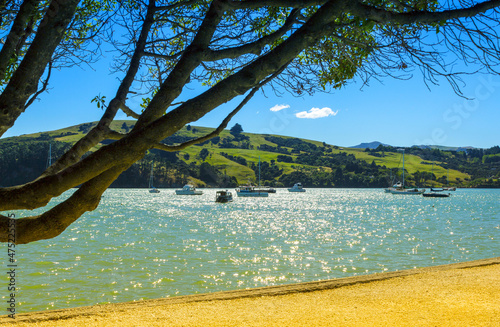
{"x":259,"y":171}
{"x":403,"y":168}
{"x":49,"y":157}
{"x":151,"y":177}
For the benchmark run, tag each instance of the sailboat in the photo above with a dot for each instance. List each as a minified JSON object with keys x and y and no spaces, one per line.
{"x":250,"y":190}
{"x":152,"y":189}
{"x":49,"y":156}
{"x":448,"y":188}
{"x":402,"y":189}
{"x":397,"y":185}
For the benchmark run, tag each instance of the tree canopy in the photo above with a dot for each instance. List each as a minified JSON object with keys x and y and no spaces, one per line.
{"x":234,"y":48}
{"x":236,"y":129}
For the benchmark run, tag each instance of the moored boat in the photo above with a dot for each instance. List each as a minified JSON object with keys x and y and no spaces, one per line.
{"x":223,"y":196}
{"x":436,"y":195}
{"x":152,"y":189}
{"x":297,"y":187}
{"x":396,"y":186}
{"x":250,"y":191}
{"x":267,"y":189}
{"x":409,"y":191}
{"x":188,"y":190}
{"x":401,"y":189}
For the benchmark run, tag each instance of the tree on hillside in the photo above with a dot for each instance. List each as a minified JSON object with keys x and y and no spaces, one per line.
{"x":236,"y":129}
{"x":233,"y":48}
{"x":203,"y":154}
{"x":125,"y":127}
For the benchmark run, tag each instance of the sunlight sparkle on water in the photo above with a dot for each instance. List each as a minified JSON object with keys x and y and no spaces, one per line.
{"x":138,"y":245}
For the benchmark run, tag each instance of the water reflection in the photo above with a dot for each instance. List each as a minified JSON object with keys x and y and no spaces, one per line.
{"x":138,"y":245}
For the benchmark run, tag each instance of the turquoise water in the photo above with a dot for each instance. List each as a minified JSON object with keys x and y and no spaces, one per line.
{"x":138,"y":245}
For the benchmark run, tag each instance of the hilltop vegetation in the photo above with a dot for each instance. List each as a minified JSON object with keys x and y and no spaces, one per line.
{"x":232,"y":158}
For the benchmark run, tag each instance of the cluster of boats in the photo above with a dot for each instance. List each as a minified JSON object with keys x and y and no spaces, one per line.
{"x":399,"y":188}
{"x":434,"y":193}
{"x":227,"y":196}
{"x":253,"y":191}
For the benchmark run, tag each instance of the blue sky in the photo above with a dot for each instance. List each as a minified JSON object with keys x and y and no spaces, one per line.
{"x":399,"y":113}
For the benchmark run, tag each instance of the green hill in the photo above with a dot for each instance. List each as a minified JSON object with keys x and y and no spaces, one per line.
{"x":229,"y":160}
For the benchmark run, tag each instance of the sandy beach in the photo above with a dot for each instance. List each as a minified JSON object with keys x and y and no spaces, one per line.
{"x":463,"y":294}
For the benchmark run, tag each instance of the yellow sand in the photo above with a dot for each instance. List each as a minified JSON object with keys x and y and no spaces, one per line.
{"x":466,"y":294}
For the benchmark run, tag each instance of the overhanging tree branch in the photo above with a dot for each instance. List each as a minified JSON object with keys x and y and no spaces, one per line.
{"x":189,"y":60}
{"x":25,"y":79}
{"x":382,"y":16}
{"x":15,"y":35}
{"x":224,"y":123}
{"x":254,"y":47}
{"x":336,"y":30}
{"x":98,"y":133}
{"x":54,"y":221}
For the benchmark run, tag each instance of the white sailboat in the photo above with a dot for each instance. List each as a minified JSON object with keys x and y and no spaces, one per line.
{"x":152,"y":189}
{"x":250,"y":190}
{"x":49,"y":156}
{"x":402,"y":189}
{"x":448,"y":188}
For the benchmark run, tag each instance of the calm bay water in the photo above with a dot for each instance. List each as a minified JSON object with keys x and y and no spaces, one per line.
{"x":137,"y":245}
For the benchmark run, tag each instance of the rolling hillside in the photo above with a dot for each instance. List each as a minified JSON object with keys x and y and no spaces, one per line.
{"x":233,"y":159}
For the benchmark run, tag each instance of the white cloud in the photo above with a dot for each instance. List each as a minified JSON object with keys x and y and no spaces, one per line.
{"x":316,"y":113}
{"x":279,"y":107}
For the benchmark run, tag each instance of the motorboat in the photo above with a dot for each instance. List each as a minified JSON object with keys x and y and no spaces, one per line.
{"x":436,"y":195}
{"x":223,"y":196}
{"x":410,"y":191}
{"x":297,"y":187}
{"x":250,"y":191}
{"x":267,"y":189}
{"x":188,"y":190}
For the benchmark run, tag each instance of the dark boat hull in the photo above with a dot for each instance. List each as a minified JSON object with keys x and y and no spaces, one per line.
{"x":436,"y":195}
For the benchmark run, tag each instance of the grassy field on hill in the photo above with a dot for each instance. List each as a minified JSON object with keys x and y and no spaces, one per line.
{"x":247,"y":149}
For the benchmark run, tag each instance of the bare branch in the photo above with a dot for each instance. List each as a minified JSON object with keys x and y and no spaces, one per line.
{"x":177,"y":5}
{"x":129,"y":112}
{"x":384,"y":16}
{"x":226,"y":120}
{"x":44,"y":86}
{"x":254,"y":47}
{"x":254,"y":4}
